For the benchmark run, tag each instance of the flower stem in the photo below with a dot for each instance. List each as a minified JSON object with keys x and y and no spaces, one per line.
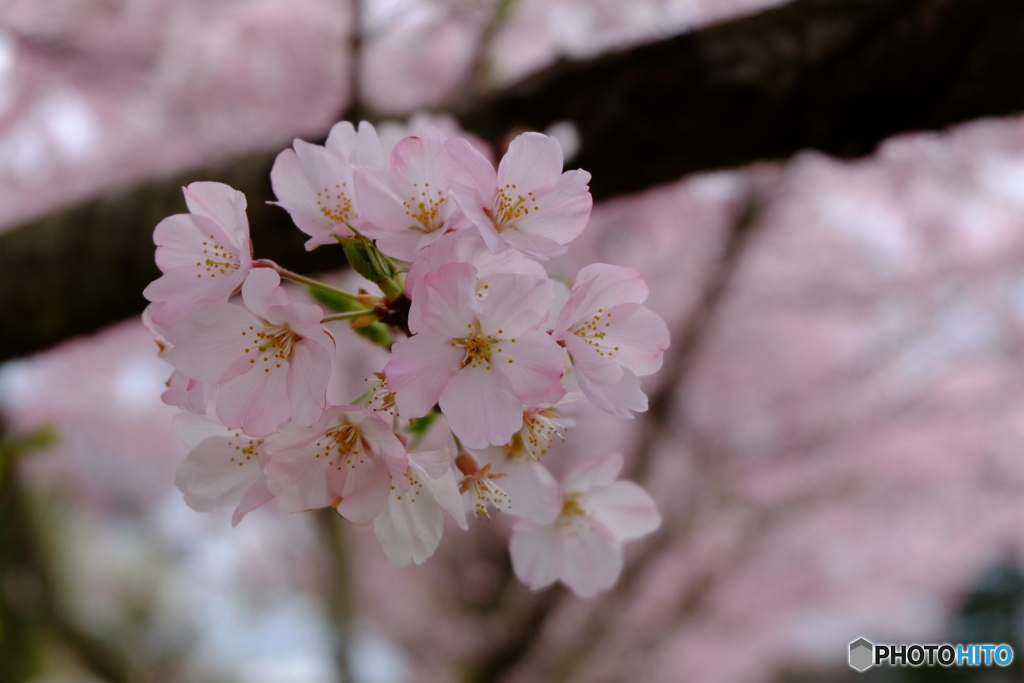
{"x":302,"y":279}
{"x":348,"y":315}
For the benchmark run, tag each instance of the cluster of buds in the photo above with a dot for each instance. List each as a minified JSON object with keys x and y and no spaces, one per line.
{"x":487,"y":351}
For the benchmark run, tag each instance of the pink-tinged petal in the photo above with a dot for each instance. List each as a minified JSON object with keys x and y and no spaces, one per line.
{"x":403,"y":245}
{"x":637,"y":339}
{"x":561,"y":214}
{"x":534,"y":492}
{"x":509,"y":305}
{"x":591,"y":362}
{"x":388,"y":216}
{"x":536,"y":554}
{"x":625,"y":509}
{"x":410,"y":526}
{"x":463,"y":166}
{"x":593,"y":473}
{"x":209,"y":345}
{"x":533,"y":365}
{"x":533,"y":161}
{"x":434,"y":464}
{"x":460,"y":247}
{"x":362,"y":147}
{"x":481,"y":408}
{"x":443,"y":487}
{"x":309,"y":371}
{"x":303,"y":319}
{"x":418,"y":371}
{"x":190,"y":395}
{"x":185,"y":239}
{"x":414,"y":159}
{"x":448,"y":301}
{"x":622,"y":398}
{"x":386,"y":446}
{"x":218,"y":472}
{"x":192,"y":429}
{"x":200,"y":266}
{"x":158,"y":331}
{"x":532,"y":244}
{"x":295,"y":194}
{"x":257,"y":401}
{"x":331,"y":190}
{"x":558,"y":305}
{"x":590,"y":562}
{"x":600,"y":285}
{"x":220,"y":202}
{"x":259,"y":289}
{"x":366,"y":488}
{"x":180,"y":292}
{"x":469,"y":204}
{"x":298,"y":478}
{"x":257,"y":496}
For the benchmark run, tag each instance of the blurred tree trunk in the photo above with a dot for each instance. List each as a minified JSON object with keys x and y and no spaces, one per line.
{"x":839,"y":76}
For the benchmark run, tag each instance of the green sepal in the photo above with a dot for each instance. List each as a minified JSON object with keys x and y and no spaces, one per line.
{"x":367,"y":260}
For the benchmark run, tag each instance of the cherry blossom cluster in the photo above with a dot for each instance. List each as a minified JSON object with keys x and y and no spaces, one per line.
{"x":489,"y":355}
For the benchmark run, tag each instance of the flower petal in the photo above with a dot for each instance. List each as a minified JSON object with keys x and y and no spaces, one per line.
{"x":221,"y":203}
{"x":589,"y":561}
{"x":366,"y":487}
{"x":533,"y":364}
{"x":418,"y":371}
{"x":209,"y":344}
{"x":512,"y":304}
{"x":410,"y":526}
{"x":257,"y":401}
{"x":536,"y":554}
{"x":448,"y":300}
{"x":533,"y":161}
{"x":217,"y":472}
{"x":593,"y":473}
{"x":480,"y":407}
{"x":257,"y":495}
{"x":625,"y":509}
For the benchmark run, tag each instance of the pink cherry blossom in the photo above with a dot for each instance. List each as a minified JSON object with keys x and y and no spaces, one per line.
{"x":270,"y":358}
{"x":611,"y":338}
{"x":314,"y":184}
{"x":477,"y":483}
{"x":182,"y":391}
{"x":582,"y":546}
{"x":407,"y":206}
{"x":223,"y":467}
{"x":464,"y":247}
{"x":411,"y":524}
{"x":529,"y":204}
{"x":349,"y":459}
{"x":204,"y":255}
{"x":531,"y":489}
{"x":479,"y":354}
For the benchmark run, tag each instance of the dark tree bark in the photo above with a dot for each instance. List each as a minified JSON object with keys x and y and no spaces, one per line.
{"x":839,"y":76}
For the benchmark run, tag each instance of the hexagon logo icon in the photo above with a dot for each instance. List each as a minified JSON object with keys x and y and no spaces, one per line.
{"x":862,"y":654}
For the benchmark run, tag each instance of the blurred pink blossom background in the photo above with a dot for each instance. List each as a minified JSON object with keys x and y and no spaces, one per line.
{"x":837,"y":448}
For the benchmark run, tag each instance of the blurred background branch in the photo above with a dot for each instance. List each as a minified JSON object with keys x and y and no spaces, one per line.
{"x":839,"y":77}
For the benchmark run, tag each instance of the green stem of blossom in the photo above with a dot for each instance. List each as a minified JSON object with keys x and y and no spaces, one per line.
{"x":348,"y":315}
{"x":391,"y":288}
{"x":302,"y":279}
